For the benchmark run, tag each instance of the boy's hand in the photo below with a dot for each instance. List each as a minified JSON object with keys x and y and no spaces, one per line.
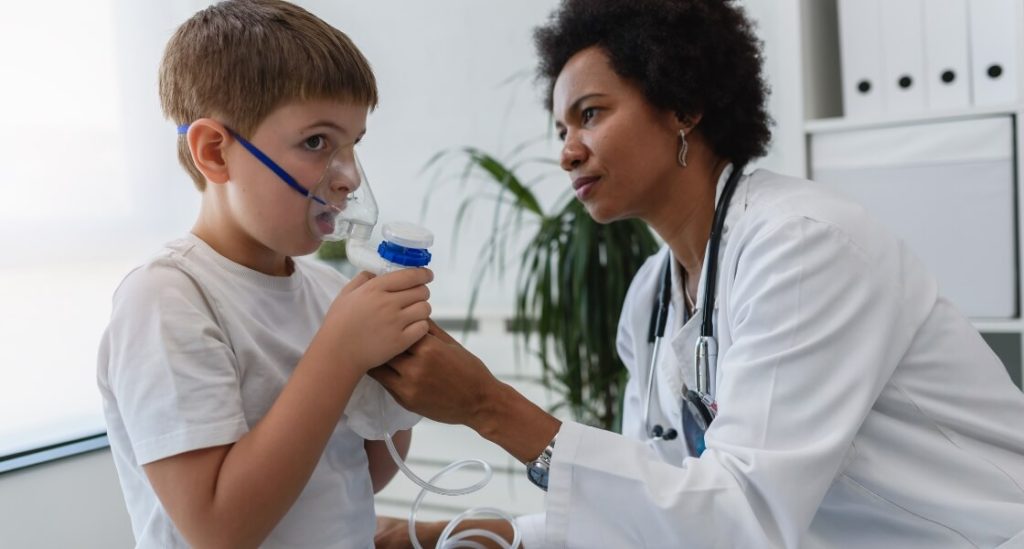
{"x":375,"y":318}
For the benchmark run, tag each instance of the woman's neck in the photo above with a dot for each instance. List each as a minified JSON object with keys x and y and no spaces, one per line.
{"x":683,"y":219}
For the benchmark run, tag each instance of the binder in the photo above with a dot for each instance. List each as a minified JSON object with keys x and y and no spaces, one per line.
{"x":946,"y":55}
{"x":860,"y":51}
{"x":993,"y":37}
{"x":903,"y":56}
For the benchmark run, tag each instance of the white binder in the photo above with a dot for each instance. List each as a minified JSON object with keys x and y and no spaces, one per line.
{"x":993,"y":36}
{"x":860,"y":50}
{"x":946,"y":56}
{"x":903,"y":56}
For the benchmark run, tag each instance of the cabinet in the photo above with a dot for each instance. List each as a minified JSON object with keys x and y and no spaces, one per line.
{"x":944,"y":178}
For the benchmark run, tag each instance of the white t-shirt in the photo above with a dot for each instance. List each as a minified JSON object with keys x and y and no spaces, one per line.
{"x":197,"y":350}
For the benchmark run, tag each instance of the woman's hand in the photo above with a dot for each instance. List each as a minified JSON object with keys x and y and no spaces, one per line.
{"x":440,"y":379}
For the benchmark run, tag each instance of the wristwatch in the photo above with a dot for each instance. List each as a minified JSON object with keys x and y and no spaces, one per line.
{"x":537,"y":469}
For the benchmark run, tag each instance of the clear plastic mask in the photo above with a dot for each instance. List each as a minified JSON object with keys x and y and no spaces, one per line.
{"x":341,"y":204}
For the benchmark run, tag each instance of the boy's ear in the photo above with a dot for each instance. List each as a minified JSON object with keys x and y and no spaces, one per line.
{"x":206,"y":141}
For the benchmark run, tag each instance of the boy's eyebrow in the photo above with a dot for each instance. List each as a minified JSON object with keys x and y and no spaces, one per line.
{"x":329,"y":124}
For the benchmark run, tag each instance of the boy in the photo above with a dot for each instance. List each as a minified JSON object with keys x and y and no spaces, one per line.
{"x":227,"y":364}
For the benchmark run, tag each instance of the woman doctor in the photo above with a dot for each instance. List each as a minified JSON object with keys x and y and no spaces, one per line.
{"x":849,"y":405}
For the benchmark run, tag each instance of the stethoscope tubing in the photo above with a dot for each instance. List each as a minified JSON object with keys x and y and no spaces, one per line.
{"x":706,"y":349}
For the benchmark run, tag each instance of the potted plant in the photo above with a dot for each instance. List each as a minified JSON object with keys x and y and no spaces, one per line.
{"x":572,"y":281}
{"x":333,"y":253}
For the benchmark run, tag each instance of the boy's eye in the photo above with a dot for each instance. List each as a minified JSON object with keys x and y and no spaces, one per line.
{"x":315,"y":142}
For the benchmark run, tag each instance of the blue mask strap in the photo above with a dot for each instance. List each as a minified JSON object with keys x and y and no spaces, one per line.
{"x":285,"y":176}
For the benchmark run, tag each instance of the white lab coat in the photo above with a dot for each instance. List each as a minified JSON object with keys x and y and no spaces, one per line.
{"x":857,"y":407}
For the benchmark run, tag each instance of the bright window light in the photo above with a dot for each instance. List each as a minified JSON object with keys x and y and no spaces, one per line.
{"x":76,"y":214}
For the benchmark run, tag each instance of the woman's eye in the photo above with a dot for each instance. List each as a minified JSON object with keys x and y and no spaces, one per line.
{"x":315,"y":142}
{"x":588,"y":114}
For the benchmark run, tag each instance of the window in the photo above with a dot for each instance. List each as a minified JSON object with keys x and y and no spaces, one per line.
{"x":90,"y":188}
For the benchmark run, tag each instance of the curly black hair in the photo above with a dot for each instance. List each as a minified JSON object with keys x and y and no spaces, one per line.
{"x":687,"y":56}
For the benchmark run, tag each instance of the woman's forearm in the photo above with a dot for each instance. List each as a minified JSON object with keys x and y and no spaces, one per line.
{"x":511,"y":421}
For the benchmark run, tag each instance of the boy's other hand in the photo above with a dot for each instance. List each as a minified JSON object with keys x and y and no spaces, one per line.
{"x":375,"y":318}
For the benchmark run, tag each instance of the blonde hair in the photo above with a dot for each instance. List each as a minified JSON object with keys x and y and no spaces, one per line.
{"x":239,"y":60}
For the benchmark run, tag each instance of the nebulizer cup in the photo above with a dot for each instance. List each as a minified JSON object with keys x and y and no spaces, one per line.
{"x":342,"y":207}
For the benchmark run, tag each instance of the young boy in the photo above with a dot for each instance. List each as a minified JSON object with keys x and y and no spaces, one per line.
{"x":227,"y":364}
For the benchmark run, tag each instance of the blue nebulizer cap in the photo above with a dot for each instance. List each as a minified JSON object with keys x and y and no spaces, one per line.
{"x":406,"y":244}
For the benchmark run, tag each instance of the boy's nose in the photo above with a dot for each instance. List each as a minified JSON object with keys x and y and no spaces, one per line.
{"x":342,"y":178}
{"x":345,"y":179}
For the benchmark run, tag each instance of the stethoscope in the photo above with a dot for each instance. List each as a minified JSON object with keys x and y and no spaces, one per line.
{"x":698,"y":401}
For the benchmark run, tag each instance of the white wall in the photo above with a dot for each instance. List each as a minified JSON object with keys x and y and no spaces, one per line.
{"x":75,"y":502}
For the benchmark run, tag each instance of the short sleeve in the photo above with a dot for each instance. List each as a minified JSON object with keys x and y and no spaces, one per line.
{"x":170,"y":367}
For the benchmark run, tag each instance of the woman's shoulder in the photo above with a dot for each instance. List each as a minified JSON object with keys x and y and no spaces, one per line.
{"x":770,"y":200}
{"x":771,"y":195}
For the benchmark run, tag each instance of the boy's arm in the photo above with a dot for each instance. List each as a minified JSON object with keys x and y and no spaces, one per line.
{"x":382,"y":467}
{"x":234,"y":495}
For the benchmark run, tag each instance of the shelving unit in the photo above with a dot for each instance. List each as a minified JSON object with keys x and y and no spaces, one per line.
{"x":807,"y":103}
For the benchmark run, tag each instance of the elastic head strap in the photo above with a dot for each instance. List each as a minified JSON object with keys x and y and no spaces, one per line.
{"x":278,"y":170}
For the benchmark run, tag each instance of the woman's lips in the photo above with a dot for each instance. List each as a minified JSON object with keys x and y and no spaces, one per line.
{"x":584,"y":186}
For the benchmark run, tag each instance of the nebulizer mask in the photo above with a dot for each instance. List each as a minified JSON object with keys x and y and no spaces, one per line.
{"x":342,"y":207}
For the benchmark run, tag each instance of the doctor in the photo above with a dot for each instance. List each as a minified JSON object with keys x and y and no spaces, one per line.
{"x":846,"y":402}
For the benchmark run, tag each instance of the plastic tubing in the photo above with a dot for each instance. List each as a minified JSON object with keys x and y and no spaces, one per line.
{"x":447,"y":540}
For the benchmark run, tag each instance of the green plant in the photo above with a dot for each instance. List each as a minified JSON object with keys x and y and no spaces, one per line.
{"x":332,"y":250}
{"x":572,"y":280}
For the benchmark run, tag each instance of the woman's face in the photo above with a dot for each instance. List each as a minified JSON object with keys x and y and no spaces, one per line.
{"x":620,"y":151}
